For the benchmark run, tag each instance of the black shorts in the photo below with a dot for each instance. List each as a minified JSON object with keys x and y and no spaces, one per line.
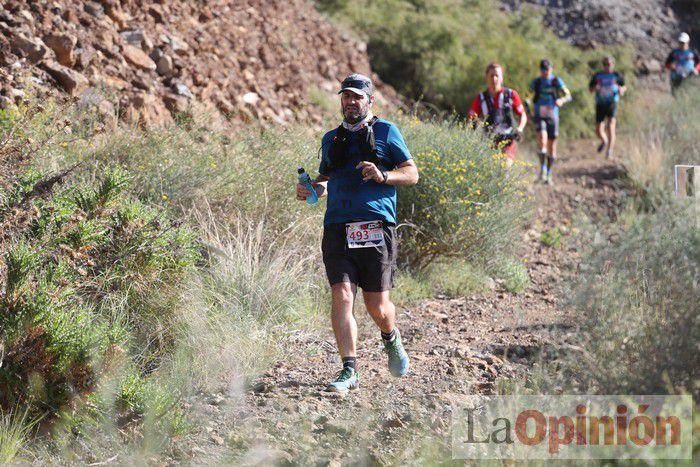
{"x":372,"y":268}
{"x":605,"y":110}
{"x":550,"y":125}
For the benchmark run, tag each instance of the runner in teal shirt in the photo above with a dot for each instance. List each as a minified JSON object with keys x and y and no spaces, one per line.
{"x":349,"y":197}
{"x":363,"y":160}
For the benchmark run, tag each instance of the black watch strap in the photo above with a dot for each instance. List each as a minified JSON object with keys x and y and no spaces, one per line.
{"x":385,"y":175}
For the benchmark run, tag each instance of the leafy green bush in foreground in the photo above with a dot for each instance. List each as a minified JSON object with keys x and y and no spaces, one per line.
{"x":467,"y":204}
{"x":70,"y":257}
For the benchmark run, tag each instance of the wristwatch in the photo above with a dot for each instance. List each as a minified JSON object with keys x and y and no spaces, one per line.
{"x":385,"y":175}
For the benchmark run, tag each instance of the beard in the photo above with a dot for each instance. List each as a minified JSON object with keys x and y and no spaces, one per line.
{"x":353,"y":115}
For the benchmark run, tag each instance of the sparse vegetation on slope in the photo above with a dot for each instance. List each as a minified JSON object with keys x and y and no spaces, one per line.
{"x":664,"y":134}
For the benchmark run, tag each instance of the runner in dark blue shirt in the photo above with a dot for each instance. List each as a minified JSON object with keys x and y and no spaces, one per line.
{"x":363,"y":160}
{"x":608,"y":85}
{"x":683,"y":62}
{"x":550,"y":93}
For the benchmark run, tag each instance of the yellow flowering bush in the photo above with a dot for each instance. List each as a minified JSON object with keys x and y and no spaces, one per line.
{"x":468,"y":202}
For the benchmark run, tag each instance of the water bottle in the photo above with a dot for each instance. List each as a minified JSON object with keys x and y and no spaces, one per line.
{"x":305,"y":180}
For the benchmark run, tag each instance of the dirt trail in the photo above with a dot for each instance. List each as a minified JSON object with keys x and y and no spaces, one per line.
{"x":457,"y":346}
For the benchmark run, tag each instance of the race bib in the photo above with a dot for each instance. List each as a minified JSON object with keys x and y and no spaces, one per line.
{"x":364,"y":234}
{"x":546,"y":111}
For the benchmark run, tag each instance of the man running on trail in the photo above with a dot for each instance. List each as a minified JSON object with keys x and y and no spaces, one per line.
{"x":608,"y":85}
{"x":550,"y":94}
{"x":683,"y":62}
{"x":497,"y":106}
{"x":363,"y":160}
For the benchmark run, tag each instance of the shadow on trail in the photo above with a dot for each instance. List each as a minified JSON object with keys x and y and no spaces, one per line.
{"x":608,"y":174}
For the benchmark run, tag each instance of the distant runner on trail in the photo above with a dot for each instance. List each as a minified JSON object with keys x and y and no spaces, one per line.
{"x":362,"y":162}
{"x":683,"y":62}
{"x":550,"y":94}
{"x":608,"y":85}
{"x":497,"y":106}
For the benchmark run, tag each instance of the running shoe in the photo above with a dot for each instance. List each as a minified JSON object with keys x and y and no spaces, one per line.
{"x":398,"y":358}
{"x":345,"y":380}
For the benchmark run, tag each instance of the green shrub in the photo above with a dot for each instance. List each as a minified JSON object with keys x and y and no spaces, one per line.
{"x":437,"y":51}
{"x":251,"y":172}
{"x":638,"y":302}
{"x":75,"y":250}
{"x":451,"y":277}
{"x":411,"y":288}
{"x":456,"y":278}
{"x":552,"y":238}
{"x":515,"y":275}
{"x":467,"y":204}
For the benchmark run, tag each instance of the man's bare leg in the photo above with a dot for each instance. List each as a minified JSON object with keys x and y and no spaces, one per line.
{"x":600,"y":131}
{"x":381,"y":309}
{"x":343,"y":320}
{"x":383,"y":312}
{"x":552,"y":148}
{"x":611,"y":127}
{"x":542,"y":142}
{"x":551,"y":157}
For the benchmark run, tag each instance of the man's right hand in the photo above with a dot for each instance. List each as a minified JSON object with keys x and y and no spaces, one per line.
{"x":303,"y":192}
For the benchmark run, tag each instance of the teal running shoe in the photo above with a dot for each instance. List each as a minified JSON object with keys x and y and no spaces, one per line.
{"x":345,"y":380}
{"x":398,"y":358}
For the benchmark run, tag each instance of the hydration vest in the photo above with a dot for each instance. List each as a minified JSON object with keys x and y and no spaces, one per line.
{"x":338,"y":154}
{"x":685,"y":62}
{"x":609,"y":90}
{"x":546,"y":93}
{"x":500,"y":120}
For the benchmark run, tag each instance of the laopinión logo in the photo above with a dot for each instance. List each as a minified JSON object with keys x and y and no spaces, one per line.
{"x":572,"y":427}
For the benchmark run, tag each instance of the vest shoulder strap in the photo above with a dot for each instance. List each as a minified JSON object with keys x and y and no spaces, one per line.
{"x":486,"y":99}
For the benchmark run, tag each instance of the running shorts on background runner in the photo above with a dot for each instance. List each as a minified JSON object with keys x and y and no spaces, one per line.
{"x":605,"y":110}
{"x":550,"y":125}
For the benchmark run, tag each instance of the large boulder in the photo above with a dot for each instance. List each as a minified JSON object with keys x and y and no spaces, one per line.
{"x":32,"y":48}
{"x":70,"y":80}
{"x":63,"y":45}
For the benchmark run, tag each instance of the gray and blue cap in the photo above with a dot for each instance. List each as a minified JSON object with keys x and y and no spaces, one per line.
{"x":358,"y":84}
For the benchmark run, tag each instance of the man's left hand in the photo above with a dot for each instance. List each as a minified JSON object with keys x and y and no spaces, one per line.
{"x":370,"y":172}
{"x":559,"y":102}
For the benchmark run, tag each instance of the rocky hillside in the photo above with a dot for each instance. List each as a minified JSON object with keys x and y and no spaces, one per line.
{"x":247,"y":59}
{"x":650,"y":26}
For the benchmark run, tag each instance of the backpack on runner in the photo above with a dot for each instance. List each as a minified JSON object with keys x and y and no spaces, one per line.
{"x":499,"y":120}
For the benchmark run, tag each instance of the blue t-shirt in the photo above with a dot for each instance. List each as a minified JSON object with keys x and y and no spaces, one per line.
{"x":547,"y":92}
{"x":685,"y":60}
{"x":349,"y":198}
{"x":608,"y":87}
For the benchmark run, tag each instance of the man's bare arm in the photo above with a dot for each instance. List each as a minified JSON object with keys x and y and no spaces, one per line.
{"x":404,"y":174}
